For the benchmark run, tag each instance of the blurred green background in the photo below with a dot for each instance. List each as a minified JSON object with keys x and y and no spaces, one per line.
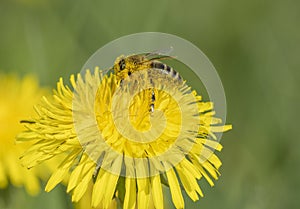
{"x":254,"y":46}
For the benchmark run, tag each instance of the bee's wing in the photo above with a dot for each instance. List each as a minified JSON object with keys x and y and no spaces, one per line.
{"x":158,"y":54}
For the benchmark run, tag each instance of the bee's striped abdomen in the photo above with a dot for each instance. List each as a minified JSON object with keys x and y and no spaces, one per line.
{"x":166,"y":69}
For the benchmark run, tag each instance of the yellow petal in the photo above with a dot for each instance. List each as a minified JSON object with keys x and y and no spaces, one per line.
{"x":82,"y":186}
{"x":130,"y":194}
{"x":189,"y":183}
{"x":98,"y":189}
{"x":221,"y":128}
{"x":104,"y":187}
{"x":56,"y":178}
{"x":110,"y":189}
{"x":61,"y":172}
{"x":211,"y":170}
{"x":202,"y":171}
{"x":157,"y":192}
{"x":78,"y":172}
{"x":175,"y":189}
{"x":205,"y":106}
{"x":215,"y":161}
{"x":143,"y":192}
{"x":187,"y":165}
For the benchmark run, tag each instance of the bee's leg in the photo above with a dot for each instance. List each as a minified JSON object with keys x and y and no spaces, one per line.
{"x":152,"y":101}
{"x":121,"y":84}
{"x":152,"y":97}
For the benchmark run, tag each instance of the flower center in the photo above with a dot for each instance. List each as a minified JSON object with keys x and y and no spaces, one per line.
{"x":127,"y":125}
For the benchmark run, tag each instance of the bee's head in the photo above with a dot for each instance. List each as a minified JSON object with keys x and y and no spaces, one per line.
{"x":124,"y":66}
{"x":120,"y":64}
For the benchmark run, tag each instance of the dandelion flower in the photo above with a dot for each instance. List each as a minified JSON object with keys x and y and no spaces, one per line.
{"x":17,"y":98}
{"x":116,"y":145}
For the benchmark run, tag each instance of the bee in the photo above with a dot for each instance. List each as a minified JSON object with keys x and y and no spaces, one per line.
{"x":125,"y":66}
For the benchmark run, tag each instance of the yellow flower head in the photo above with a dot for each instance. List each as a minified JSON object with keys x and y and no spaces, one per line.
{"x":120,"y":147}
{"x":17,"y":100}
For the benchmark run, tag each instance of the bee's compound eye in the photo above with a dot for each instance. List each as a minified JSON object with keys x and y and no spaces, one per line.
{"x":122,"y":64}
